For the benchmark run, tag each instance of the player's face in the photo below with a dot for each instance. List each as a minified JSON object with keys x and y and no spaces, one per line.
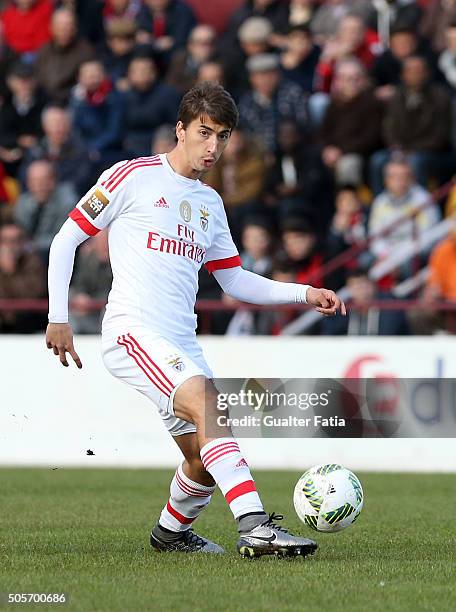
{"x":204,"y":141}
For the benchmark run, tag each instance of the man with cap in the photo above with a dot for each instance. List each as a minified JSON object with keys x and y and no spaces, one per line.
{"x":270,"y":99}
{"x":252,"y":38}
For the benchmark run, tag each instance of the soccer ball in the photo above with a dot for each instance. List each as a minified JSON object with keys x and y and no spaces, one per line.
{"x":328,"y":497}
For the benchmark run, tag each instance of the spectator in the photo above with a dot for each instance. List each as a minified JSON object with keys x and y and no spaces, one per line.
{"x":20,"y":115}
{"x":273,"y":10}
{"x":166,"y":25}
{"x":401,"y":198}
{"x":58,"y":62}
{"x":298,"y":183}
{"x":9,"y":192}
{"x":22,"y":276}
{"x":398,"y":14}
{"x":7,"y":59}
{"x":300,"y":254}
{"x":92,"y":281}
{"x":346,"y":147}
{"x":148,"y":104}
{"x":26,"y":25}
{"x":329,"y":14}
{"x":440,"y":286}
{"x":300,"y":13}
{"x":386,"y":69}
{"x":183,"y":69}
{"x":352,"y":39}
{"x":438,"y":16}
{"x":270,"y":99}
{"x":410,"y":125}
{"x":42,"y":211}
{"x":98,"y":113}
{"x":211,"y":71}
{"x":164,"y":139}
{"x":348,"y":229}
{"x":447,"y":59}
{"x":63,"y":149}
{"x":252,"y":39}
{"x":363,"y":320}
{"x":115,"y":10}
{"x":119,"y":50}
{"x":239,"y":178}
{"x":256,"y":257}
{"x":299,"y":58}
{"x":441,"y":283}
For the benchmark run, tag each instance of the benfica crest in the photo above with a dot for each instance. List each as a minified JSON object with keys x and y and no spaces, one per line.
{"x":204,"y":219}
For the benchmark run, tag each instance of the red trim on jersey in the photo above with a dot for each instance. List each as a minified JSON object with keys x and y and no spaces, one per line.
{"x":241,"y":489}
{"x":185,"y":520}
{"x":223,"y":264}
{"x":123,"y":167}
{"x":85,"y":225}
{"x":151,"y":360}
{"x":129,"y":170}
{"x":151,"y":375}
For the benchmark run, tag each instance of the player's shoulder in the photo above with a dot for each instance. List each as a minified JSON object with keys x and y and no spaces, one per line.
{"x":210,"y":192}
{"x":122,"y":172}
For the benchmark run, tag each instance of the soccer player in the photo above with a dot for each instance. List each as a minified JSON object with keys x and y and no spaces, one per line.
{"x":164,"y":224}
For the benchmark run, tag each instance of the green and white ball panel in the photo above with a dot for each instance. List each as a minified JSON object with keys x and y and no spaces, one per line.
{"x":328,"y":497}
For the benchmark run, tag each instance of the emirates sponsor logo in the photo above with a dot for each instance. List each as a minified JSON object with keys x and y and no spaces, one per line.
{"x":241,"y":463}
{"x":157,"y":242}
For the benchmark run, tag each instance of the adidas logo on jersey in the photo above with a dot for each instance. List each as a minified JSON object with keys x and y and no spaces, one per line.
{"x":242,"y":463}
{"x":161,"y":203}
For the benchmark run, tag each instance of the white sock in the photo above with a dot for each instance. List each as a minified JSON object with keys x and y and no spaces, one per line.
{"x":224,"y":461}
{"x":187,"y":500}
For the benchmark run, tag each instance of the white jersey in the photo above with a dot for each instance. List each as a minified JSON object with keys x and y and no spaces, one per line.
{"x":162,"y":228}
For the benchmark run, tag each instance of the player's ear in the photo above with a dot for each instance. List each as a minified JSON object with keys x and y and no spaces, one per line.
{"x":180,"y":131}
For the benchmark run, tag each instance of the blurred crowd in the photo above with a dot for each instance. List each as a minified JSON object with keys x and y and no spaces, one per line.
{"x":347,"y":126}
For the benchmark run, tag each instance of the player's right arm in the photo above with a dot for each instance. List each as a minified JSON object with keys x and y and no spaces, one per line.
{"x":95,"y":211}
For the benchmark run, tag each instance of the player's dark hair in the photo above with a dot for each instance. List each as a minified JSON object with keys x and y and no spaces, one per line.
{"x":211,"y":100}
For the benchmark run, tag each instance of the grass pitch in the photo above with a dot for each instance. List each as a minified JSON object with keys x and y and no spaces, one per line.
{"x":85,"y":533}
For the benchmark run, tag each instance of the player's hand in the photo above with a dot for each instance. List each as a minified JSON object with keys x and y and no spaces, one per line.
{"x":59,"y":338}
{"x":325,"y":301}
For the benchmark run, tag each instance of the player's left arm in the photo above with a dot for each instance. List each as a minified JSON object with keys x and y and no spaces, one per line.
{"x":249,"y":287}
{"x":222,"y":260}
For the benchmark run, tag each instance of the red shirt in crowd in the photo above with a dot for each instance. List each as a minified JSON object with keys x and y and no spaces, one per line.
{"x":27,"y":31}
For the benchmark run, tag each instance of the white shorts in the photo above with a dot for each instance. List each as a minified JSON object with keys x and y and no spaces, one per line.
{"x":156,"y":367}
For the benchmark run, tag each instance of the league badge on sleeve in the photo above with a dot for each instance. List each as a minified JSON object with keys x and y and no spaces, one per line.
{"x":95,"y":204}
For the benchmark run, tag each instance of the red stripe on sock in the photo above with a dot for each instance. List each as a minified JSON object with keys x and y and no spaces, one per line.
{"x":185,"y":520}
{"x":219,"y":455}
{"x":241,"y":489}
{"x":215,"y":449}
{"x":190,"y":490}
